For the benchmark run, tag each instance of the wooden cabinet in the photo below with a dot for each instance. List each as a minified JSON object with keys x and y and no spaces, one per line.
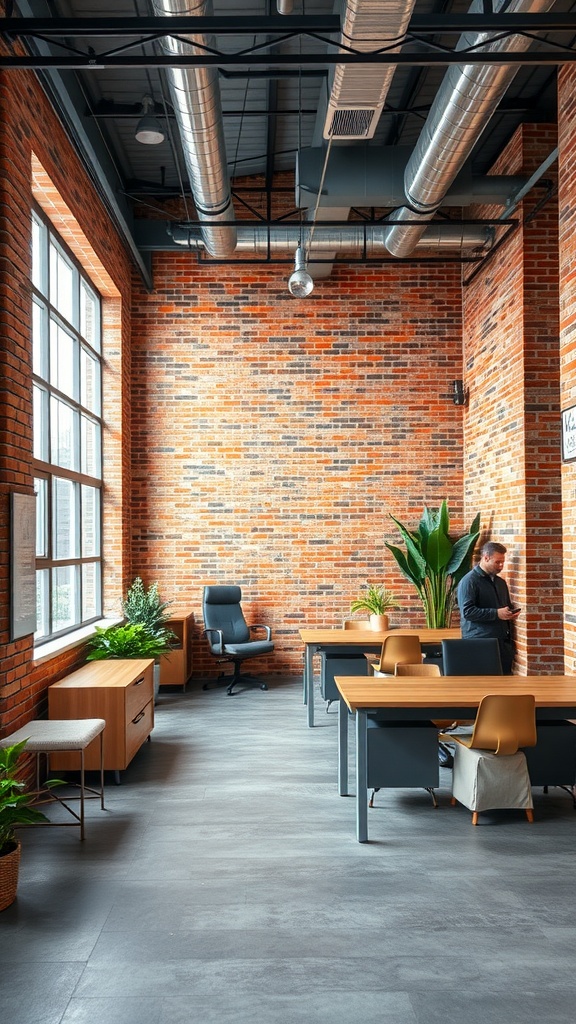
{"x":121,"y":692}
{"x":176,"y":667}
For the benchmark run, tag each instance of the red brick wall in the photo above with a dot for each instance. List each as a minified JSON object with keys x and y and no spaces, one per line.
{"x":511,"y":463}
{"x":567,"y":203}
{"x":271,"y":436}
{"x":28,"y":126}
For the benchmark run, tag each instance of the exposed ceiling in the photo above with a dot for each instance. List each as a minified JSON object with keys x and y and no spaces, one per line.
{"x":274,"y":75}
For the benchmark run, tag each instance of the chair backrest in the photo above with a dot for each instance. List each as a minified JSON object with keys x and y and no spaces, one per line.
{"x":505,"y":722}
{"x":356,"y":623}
{"x":471,"y":657}
{"x":419,"y":668}
{"x":401,"y":648}
{"x":221,"y":610}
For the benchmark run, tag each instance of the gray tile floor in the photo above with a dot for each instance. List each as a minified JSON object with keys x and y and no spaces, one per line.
{"x":224,"y":884}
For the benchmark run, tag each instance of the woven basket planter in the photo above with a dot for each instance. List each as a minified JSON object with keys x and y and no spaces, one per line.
{"x":9,"y":865}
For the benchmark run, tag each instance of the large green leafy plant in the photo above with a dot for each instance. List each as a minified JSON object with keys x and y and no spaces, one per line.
{"x":434,"y":563}
{"x":131,"y":640}
{"x":15,"y":802}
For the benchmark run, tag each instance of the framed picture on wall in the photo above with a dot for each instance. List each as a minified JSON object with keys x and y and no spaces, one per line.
{"x":22,"y":565}
{"x":569,"y":433}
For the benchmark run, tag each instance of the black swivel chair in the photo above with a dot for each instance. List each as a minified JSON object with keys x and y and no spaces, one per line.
{"x":471,"y":657}
{"x":229,"y":636}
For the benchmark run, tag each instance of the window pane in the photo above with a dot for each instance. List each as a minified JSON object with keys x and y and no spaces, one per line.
{"x":90,"y":447}
{"x":91,"y":600}
{"x":39,"y":341}
{"x":89,"y":382}
{"x":38,"y":255}
{"x":65,"y":603}
{"x":40,"y":397}
{"x":64,"y":428}
{"x":42,"y":603}
{"x":89,"y":317}
{"x":65,"y":534}
{"x":61,"y":284}
{"x":63,"y":361}
{"x":90,"y":521}
{"x":41,"y":489}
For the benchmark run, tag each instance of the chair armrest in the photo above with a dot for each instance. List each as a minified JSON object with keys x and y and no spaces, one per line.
{"x":260,"y":625}
{"x":217,"y":644}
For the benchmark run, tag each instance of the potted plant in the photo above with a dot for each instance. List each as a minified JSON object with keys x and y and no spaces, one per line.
{"x":131,"y":640}
{"x":434,"y":563}
{"x":376,"y":601}
{"x":143,"y":606}
{"x":15,"y":809}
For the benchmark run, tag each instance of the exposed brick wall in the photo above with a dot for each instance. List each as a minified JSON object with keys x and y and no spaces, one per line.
{"x":271,"y":436}
{"x":511,"y":463}
{"x":31,"y":135}
{"x":567,"y":203}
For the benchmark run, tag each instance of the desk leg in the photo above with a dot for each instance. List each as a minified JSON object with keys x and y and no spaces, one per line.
{"x":342,"y":748}
{"x":309,"y":683}
{"x":361,"y":778}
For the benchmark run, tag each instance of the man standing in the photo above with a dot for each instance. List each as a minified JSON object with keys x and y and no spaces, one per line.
{"x":484,"y":602}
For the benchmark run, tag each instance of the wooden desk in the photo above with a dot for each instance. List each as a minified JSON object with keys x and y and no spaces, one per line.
{"x":413,"y":698}
{"x":316,"y":640}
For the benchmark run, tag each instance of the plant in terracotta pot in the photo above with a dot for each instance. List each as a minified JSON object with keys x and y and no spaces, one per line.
{"x":15,"y":809}
{"x":377,"y":600}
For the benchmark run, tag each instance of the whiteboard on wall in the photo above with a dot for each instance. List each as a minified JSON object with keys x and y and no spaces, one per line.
{"x":22,"y":565}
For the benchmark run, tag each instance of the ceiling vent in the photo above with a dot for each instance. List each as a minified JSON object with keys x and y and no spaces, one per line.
{"x":351,"y":123}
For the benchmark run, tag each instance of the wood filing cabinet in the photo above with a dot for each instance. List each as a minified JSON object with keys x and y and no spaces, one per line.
{"x":122,"y":693}
{"x":176,"y":667}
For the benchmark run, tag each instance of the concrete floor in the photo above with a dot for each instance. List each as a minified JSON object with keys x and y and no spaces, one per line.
{"x":224,"y":884}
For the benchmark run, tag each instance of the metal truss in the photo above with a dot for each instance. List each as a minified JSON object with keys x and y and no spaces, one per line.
{"x":419,"y":48}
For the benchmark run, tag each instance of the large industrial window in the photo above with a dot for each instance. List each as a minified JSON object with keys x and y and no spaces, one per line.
{"x":66,"y":325}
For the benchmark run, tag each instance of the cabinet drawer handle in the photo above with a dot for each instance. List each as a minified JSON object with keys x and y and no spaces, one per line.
{"x":138,"y":682}
{"x":139,"y":717}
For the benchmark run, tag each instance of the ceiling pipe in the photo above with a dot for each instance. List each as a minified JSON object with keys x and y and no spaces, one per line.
{"x":465,"y":102}
{"x":326,"y":240}
{"x":195,"y":95}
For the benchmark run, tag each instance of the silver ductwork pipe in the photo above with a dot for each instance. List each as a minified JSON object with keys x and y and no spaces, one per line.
{"x":326,"y":241}
{"x":195,"y":94}
{"x":463,"y":105}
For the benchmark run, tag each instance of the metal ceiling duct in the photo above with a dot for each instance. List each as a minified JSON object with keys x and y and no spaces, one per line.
{"x":358,"y":92}
{"x":355,"y":238}
{"x":463,"y":105}
{"x":195,"y":94}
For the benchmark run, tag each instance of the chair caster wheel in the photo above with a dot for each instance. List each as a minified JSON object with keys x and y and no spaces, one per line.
{"x":263,"y":686}
{"x":205,"y":686}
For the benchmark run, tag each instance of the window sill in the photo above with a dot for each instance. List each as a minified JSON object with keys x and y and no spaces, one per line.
{"x":68,"y":642}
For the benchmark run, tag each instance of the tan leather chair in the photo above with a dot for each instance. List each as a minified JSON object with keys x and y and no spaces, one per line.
{"x":489,"y":769}
{"x":398,"y":649}
{"x":356,"y":623}
{"x":419,"y":668}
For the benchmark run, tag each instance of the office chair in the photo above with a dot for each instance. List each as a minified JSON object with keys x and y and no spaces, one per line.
{"x":395,"y":650}
{"x":229,"y":636}
{"x":489,"y":769}
{"x":471,"y":657}
{"x":356,"y":623}
{"x":416,"y":669}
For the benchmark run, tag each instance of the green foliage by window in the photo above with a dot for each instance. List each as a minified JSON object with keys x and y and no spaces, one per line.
{"x":434,"y":563}
{"x":144,"y":607}
{"x":15,"y":802}
{"x":129,"y":641}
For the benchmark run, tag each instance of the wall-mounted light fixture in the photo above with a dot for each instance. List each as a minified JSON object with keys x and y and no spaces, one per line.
{"x":149,"y":131}
{"x":300,"y":283}
{"x":459,"y":393}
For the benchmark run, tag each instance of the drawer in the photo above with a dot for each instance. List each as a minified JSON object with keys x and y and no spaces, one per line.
{"x":139,"y":692}
{"x":138,"y":728}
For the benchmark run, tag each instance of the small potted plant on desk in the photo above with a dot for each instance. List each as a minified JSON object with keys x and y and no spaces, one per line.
{"x":376,"y":601}
{"x":15,"y":809}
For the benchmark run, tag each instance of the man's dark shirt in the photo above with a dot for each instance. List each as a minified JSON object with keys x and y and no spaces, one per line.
{"x":479,"y":597}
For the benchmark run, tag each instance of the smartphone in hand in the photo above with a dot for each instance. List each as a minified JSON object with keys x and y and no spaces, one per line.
{"x":515,"y":608}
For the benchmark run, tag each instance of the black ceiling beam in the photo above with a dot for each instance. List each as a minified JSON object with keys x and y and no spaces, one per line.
{"x":250,"y":24}
{"x":541,"y":58}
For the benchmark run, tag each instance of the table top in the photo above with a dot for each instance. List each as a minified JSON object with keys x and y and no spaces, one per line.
{"x":358,"y":637}
{"x":450,"y":691}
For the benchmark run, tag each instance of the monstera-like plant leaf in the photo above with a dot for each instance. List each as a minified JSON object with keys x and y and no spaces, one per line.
{"x":434,"y":563}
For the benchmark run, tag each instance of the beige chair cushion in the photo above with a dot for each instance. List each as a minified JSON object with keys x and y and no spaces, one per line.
{"x":483,"y":781}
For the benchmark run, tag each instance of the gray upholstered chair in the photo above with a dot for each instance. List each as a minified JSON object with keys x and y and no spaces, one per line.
{"x":229,"y":636}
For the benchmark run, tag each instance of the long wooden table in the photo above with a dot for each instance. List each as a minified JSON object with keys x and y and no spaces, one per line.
{"x":317,"y":640}
{"x":413,"y":698}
